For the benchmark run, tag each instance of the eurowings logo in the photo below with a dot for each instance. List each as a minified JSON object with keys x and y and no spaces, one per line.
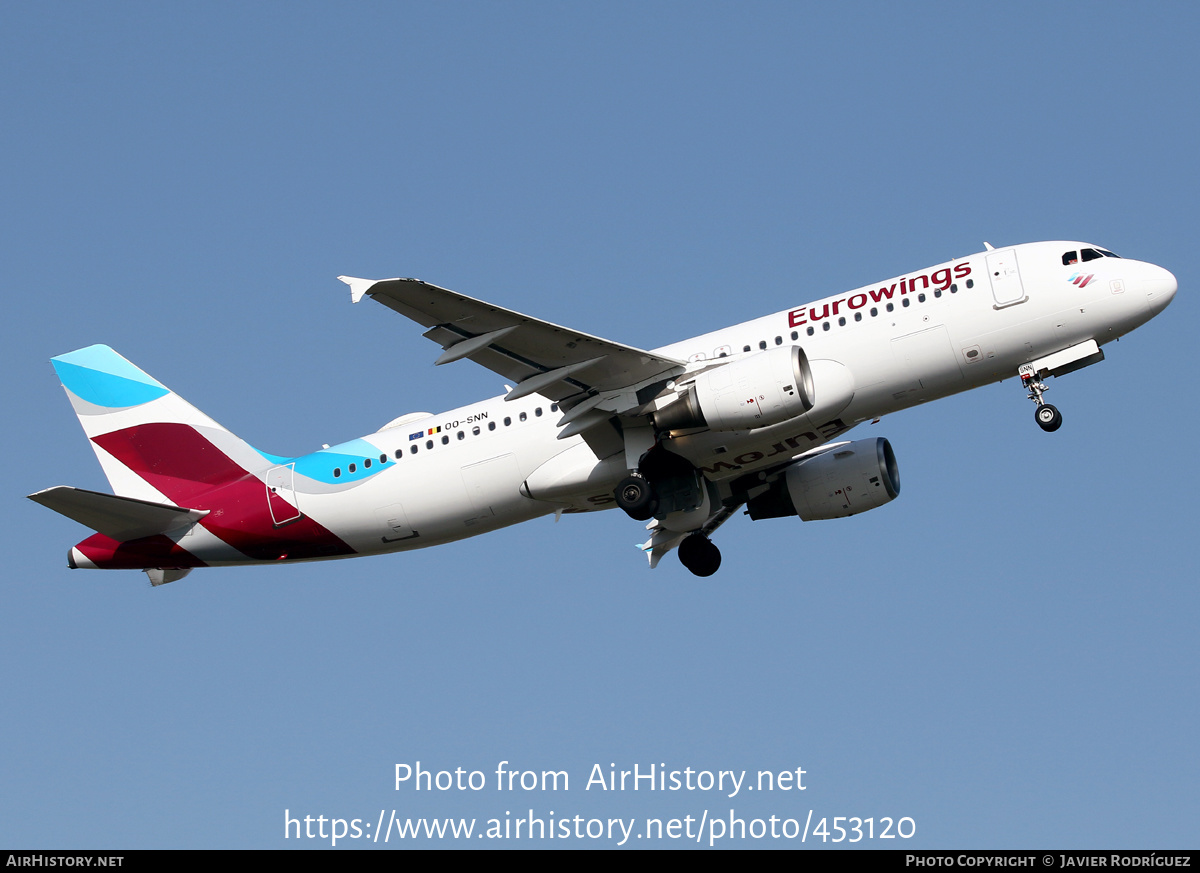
{"x":1082,"y":279}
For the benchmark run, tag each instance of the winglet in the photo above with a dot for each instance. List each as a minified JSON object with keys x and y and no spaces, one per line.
{"x":358,"y":287}
{"x":660,"y":543}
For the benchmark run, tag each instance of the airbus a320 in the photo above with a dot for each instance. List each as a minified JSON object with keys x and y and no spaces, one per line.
{"x":680,"y":437}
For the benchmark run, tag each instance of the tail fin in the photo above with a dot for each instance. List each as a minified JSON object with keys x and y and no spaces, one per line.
{"x":150,"y":441}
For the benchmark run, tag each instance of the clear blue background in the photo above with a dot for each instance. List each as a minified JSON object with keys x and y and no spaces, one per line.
{"x":1007,"y":653}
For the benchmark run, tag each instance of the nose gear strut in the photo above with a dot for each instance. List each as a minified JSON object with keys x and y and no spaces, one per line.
{"x":1047,"y":416}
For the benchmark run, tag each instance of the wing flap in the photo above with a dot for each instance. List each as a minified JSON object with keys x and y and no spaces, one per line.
{"x":121,"y":518}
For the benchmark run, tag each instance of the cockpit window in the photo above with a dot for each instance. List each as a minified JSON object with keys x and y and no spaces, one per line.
{"x":1088,"y":255}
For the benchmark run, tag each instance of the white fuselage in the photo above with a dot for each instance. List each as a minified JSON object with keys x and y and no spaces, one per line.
{"x":905,"y":341}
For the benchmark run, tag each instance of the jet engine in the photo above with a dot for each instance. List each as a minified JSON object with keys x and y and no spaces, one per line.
{"x":756,"y":391}
{"x":844,"y":481}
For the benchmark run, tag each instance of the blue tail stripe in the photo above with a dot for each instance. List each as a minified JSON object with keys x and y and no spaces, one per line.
{"x":106,"y":388}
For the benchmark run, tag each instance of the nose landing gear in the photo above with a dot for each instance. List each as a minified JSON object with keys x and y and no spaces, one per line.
{"x":1046,"y":415}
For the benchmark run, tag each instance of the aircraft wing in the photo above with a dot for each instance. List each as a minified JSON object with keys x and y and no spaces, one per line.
{"x":534,"y":355}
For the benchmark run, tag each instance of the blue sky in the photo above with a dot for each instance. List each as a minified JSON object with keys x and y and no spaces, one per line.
{"x":1006,"y":654}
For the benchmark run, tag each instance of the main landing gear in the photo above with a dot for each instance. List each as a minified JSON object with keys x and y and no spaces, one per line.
{"x":1047,"y":416}
{"x":699,"y":554}
{"x":635,"y":495}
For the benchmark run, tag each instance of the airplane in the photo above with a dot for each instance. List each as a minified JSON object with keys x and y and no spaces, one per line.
{"x":681,"y":437}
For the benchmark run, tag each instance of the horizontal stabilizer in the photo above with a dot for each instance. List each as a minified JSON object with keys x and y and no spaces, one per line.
{"x":121,"y":518}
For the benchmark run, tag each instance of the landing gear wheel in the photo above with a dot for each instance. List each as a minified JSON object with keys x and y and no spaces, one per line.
{"x":636,"y":497}
{"x":1048,"y":418}
{"x":698,"y":553}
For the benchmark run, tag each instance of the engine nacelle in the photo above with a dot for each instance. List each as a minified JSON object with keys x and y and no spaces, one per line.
{"x":757,"y":391}
{"x":845,"y":481}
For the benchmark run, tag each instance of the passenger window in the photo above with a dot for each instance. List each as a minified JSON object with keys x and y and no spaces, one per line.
{"x":367,"y":464}
{"x":507,"y":421}
{"x":891,"y":307}
{"x":399,"y":454}
{"x":413,"y":449}
{"x":524,"y":416}
{"x":491,"y":425}
{"x":954,"y":288}
{"x":475,"y":431}
{"x":352,"y":468}
{"x":746,"y":348}
{"x":874,"y":312}
{"x":906,"y":302}
{"x":810,"y":330}
{"x":1070,"y":258}
{"x":554,"y":407}
{"x":446,"y":439}
{"x":842,"y":321}
{"x":778,"y":340}
{"x":858,"y":316}
{"x":970,"y":283}
{"x":825,"y":325}
{"x":337,"y":472}
{"x":762,"y":344}
{"x":429,"y":444}
{"x":461,"y":435}
{"x":538,"y":412}
{"x":921,"y":297}
{"x":383,"y":459}
{"x":795,"y":336}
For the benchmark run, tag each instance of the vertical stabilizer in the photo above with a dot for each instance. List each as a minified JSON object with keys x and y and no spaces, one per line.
{"x":152,"y":444}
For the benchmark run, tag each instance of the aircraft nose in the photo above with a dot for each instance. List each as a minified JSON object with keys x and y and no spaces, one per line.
{"x":1160,"y":287}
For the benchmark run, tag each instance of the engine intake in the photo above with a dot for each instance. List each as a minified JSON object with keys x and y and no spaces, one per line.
{"x":845,"y":481}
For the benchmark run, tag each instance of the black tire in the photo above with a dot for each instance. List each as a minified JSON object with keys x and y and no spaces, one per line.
{"x":699,"y":555}
{"x":1048,"y":418}
{"x":635,"y":495}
